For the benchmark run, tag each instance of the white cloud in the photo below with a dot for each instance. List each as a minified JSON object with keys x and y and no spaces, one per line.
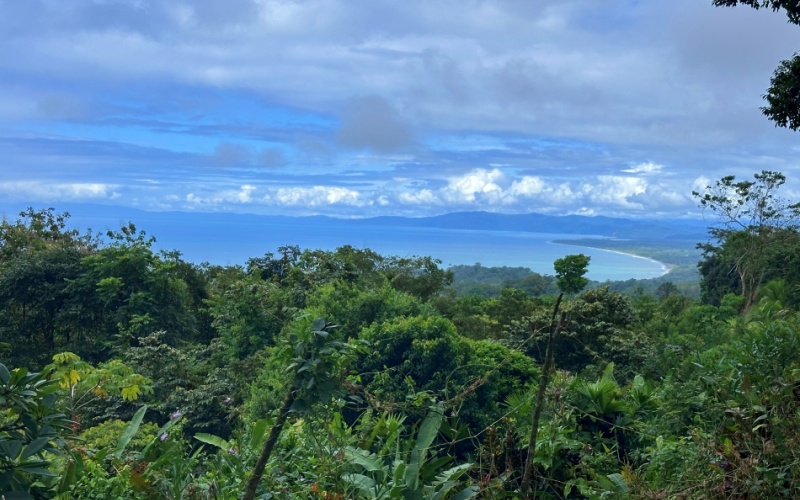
{"x":700,"y":184}
{"x":527,"y":186}
{"x":615,"y":190}
{"x":645,"y":168}
{"x":316,"y":196}
{"x":478,"y":183}
{"x":243,"y":195}
{"x":58,"y":191}
{"x":421,"y":197}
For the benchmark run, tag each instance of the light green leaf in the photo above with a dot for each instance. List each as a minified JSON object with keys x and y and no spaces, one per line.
{"x":130,"y":431}
{"x":365,"y":484}
{"x":213,"y":440}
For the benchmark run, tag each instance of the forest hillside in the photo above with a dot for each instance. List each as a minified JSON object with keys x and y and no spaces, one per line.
{"x":131,"y":373}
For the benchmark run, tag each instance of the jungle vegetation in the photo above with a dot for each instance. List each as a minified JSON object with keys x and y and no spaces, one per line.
{"x":131,"y":373}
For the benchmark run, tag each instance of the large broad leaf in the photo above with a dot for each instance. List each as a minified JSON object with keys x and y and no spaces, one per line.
{"x":445,"y":482}
{"x":4,"y":374}
{"x":368,"y":461}
{"x":130,"y":431}
{"x":258,"y":434}
{"x":468,"y":492}
{"x":427,"y":433}
{"x":213,"y":440}
{"x":429,"y":428}
{"x":363,"y":483}
{"x":34,"y":447}
{"x":10,"y":449}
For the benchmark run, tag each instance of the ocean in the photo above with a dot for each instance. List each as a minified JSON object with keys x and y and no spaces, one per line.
{"x":231,"y":239}
{"x":228,"y":242}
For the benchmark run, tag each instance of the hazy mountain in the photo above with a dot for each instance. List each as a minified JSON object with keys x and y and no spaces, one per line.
{"x":104,"y":217}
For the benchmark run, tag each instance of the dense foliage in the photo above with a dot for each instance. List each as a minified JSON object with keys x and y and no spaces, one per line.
{"x":131,"y":373}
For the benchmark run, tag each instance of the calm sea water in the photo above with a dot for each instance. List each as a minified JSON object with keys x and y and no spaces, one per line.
{"x":232,"y":241}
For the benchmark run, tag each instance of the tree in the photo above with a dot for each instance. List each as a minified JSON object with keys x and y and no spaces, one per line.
{"x":755,"y":223}
{"x":783,"y":94}
{"x":570,"y":271}
{"x":569,"y":278}
{"x":792,"y":7}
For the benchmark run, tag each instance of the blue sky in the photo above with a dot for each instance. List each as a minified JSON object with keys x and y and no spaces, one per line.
{"x":360,"y":108}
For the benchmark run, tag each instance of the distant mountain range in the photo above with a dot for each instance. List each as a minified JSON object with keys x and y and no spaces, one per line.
{"x":101,"y":217}
{"x":638,"y":229}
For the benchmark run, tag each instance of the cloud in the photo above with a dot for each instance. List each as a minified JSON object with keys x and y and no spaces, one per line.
{"x":615,"y":190}
{"x":421,"y":197}
{"x":61,"y":107}
{"x":645,"y":168}
{"x":477,"y":184}
{"x":228,"y":154}
{"x":527,"y":186}
{"x":372,"y":123}
{"x":505,"y":105}
{"x":701,"y":184}
{"x":243,"y":195}
{"x":41,"y":191}
{"x":271,"y":157}
{"x":316,"y":196}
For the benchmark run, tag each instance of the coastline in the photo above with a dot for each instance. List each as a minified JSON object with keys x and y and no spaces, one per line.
{"x":665,"y":266}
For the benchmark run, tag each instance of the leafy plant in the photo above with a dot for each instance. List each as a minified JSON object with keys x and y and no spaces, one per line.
{"x":411,"y":473}
{"x":32,"y":430}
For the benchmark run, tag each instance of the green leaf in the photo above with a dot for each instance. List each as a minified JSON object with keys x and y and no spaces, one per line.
{"x":130,"y":393}
{"x":38,"y":471}
{"x":468,"y":492}
{"x":429,"y":428}
{"x":4,"y":374}
{"x":213,"y":440}
{"x":130,"y":431}
{"x":369,"y":461}
{"x":34,"y":447}
{"x":10,"y":449}
{"x":318,"y":324}
{"x":365,"y":484}
{"x":258,"y":433}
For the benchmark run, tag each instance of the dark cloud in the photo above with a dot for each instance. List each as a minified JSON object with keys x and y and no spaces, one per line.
{"x":372,"y":123}
{"x":229,"y":154}
{"x":271,"y":158}
{"x":62,"y":107}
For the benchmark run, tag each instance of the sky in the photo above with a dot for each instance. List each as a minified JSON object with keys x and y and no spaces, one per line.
{"x":362,"y":108}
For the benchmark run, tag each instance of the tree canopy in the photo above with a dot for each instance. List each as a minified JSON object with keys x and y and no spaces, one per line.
{"x":754,"y":226}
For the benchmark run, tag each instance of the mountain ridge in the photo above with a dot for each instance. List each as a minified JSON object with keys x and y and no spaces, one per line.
{"x":600,"y":226}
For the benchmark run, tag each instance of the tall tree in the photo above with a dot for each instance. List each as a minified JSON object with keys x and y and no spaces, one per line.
{"x":570,"y":271}
{"x":754,"y":224}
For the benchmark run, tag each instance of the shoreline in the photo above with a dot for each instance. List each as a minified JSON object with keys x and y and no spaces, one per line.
{"x":665,"y":267}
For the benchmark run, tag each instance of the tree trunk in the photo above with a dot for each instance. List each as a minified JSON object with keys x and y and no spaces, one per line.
{"x":274,"y":433}
{"x":537,"y":413}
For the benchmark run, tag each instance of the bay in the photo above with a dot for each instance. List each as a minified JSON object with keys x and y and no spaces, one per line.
{"x":232,"y":239}
{"x":232,"y":243}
